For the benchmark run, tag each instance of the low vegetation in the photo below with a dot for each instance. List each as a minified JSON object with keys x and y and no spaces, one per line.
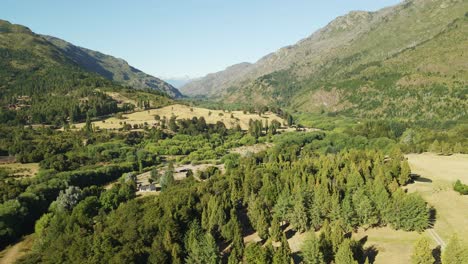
{"x":460,"y":188}
{"x":314,"y":196}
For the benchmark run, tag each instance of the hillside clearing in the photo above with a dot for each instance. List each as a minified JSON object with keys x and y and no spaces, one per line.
{"x":230,"y":119}
{"x":21,"y":169}
{"x":12,"y":253}
{"x":388,"y":245}
{"x":246,"y":150}
{"x":180,"y":173}
{"x":437,"y":175}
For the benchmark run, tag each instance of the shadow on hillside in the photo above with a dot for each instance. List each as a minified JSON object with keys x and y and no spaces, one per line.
{"x":436,"y":253}
{"x":432,"y":217}
{"x":296,"y":258}
{"x":247,"y":228}
{"x":418,"y":178}
{"x":290,"y":233}
{"x":371,"y":253}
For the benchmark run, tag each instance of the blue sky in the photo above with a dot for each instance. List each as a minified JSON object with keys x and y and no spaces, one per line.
{"x":175,"y":38}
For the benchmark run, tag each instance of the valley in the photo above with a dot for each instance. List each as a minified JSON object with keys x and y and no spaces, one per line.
{"x":348,"y":147}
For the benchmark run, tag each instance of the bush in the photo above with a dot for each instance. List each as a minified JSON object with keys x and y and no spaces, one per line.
{"x":460,"y":188}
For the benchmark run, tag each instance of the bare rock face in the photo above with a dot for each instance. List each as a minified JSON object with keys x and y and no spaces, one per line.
{"x":341,"y":66}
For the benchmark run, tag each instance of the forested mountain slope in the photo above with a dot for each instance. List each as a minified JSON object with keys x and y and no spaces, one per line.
{"x":406,"y":61}
{"x":39,"y":83}
{"x":112,"y":68}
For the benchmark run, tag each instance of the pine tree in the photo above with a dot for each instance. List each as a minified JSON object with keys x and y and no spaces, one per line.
{"x":348,"y":214}
{"x":210,"y":250}
{"x":167,"y":179}
{"x":311,"y":253}
{"x":283,"y":206}
{"x":88,"y":128}
{"x":258,"y":215}
{"x":344,"y":255}
{"x":282,"y":254}
{"x":255,"y":254}
{"x":422,"y":252}
{"x":365,"y":208}
{"x":435,"y":147}
{"x":336,"y":235}
{"x":314,"y":216}
{"x":326,"y":246}
{"x":233,"y":257}
{"x":193,"y":243}
{"x":275,"y":229}
{"x":298,"y":216}
{"x":458,"y":148}
{"x":200,"y":248}
{"x":404,"y":173}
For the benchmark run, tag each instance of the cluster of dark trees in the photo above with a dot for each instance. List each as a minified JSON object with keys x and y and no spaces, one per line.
{"x":197,"y":126}
{"x":295,"y":184}
{"x":49,"y":93}
{"x":258,"y":128}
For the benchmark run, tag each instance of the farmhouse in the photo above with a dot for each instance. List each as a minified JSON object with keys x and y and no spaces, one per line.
{"x":147,"y":188}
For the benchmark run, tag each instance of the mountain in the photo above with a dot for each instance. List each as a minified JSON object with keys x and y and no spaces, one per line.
{"x":210,"y":84}
{"x":405,"y":61}
{"x":112,"y":68}
{"x":178,"y":82}
{"x":40,"y":83}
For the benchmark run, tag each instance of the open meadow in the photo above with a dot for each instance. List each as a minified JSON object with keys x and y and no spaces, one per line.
{"x":435,"y":184}
{"x":21,"y":169}
{"x":230,"y":119}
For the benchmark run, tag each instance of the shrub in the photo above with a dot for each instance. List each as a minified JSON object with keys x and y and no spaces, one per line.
{"x":460,"y":188}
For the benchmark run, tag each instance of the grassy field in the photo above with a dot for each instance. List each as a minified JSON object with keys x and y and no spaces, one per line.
{"x":437,"y":175}
{"x":12,"y":253}
{"x":184,"y":112}
{"x":391,"y":246}
{"x":20,"y":169}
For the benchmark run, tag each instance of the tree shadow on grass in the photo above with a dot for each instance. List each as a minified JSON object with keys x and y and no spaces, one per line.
{"x":436,"y":253}
{"x":296,"y":257}
{"x":418,"y":178}
{"x":247,"y":228}
{"x":371,"y":253}
{"x":290,"y":233}
{"x":432,"y":217}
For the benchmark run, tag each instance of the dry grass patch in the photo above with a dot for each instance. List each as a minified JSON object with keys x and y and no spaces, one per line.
{"x":392,"y":246}
{"x":14,"y":252}
{"x":22,"y":169}
{"x":245,"y":150}
{"x":438,"y":173}
{"x":230,"y":119}
{"x":121,"y":99}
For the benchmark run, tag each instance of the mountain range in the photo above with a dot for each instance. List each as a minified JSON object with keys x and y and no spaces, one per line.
{"x":405,"y":61}
{"x":52,"y":48}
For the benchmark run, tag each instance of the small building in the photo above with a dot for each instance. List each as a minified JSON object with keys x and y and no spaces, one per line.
{"x":147,"y":188}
